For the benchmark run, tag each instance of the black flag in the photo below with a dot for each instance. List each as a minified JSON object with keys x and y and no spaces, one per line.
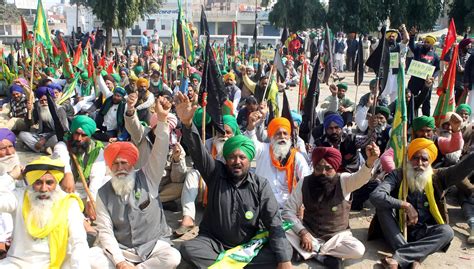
{"x":328,"y":69}
{"x":278,"y":63}
{"x":378,"y":60}
{"x":359,"y":69}
{"x":310,"y":103}
{"x":203,"y":25}
{"x":212,"y":86}
{"x":284,"y":35}
{"x":286,"y":113}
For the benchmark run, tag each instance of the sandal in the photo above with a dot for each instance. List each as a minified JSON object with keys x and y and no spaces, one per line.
{"x":389,"y":263}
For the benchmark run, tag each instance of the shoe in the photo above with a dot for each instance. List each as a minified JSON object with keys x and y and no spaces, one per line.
{"x":470,"y":238}
{"x":389,"y":263}
{"x":329,"y":261}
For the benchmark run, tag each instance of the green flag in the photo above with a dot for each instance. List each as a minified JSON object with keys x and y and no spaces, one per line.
{"x":400,"y":118}
{"x":68,"y":92}
{"x":41,"y":28}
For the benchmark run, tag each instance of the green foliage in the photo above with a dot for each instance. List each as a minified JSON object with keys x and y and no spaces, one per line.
{"x":463,"y":13}
{"x":419,"y":13}
{"x":360,"y":16}
{"x":298,"y":14}
{"x":8,"y":12}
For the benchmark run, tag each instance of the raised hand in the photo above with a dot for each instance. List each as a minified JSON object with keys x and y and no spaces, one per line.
{"x":162,"y":108}
{"x":372,"y":151}
{"x":185,"y":109}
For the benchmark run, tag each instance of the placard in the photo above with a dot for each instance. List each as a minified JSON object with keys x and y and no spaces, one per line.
{"x":420,"y":70}
{"x":394,"y":60}
{"x":267,"y":54}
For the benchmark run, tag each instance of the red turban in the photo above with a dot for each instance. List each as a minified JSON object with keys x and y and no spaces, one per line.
{"x":331,"y":155}
{"x":125,"y":150}
{"x":278,"y":123}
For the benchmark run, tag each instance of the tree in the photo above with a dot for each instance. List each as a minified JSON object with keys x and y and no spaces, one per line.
{"x":359,"y":16}
{"x":298,"y":14}
{"x":421,"y":13}
{"x":462,"y":11}
{"x":120,"y":14}
{"x":8,"y":14}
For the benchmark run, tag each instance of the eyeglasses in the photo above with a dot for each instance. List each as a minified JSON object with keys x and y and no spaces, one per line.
{"x":322,"y":168}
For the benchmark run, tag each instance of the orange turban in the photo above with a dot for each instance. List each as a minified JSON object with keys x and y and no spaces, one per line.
{"x":278,"y":123}
{"x":423,"y":143}
{"x":125,"y":150}
{"x":142,"y":82}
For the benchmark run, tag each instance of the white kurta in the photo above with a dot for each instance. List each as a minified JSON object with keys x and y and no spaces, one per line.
{"x":267,"y":170}
{"x":29,"y":252}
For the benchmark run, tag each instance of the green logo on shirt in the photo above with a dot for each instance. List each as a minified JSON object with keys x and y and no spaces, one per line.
{"x":249,"y":215}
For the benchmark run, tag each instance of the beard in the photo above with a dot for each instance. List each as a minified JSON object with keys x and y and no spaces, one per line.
{"x":10,"y":161}
{"x":45,"y":115}
{"x":417,"y":177}
{"x":334,"y":138}
{"x":123,"y":182}
{"x":41,"y":205}
{"x":281,"y":148}
{"x":78,"y":147}
{"x":238,"y":172}
{"x":218,"y":142}
{"x":380,"y":127}
{"x":322,"y":187}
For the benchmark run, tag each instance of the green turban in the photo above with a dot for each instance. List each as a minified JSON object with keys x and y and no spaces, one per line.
{"x":342,"y":86}
{"x":373,"y":82}
{"x":120,"y":91}
{"x":423,"y":121}
{"x":383,"y":110}
{"x":197,"y":119}
{"x":464,"y":107}
{"x":116,"y":77}
{"x":103,"y":73}
{"x":196,"y":76}
{"x":138,"y":69}
{"x":85,"y":123}
{"x":239,"y":142}
{"x":224,"y":72}
{"x":85,"y":75}
{"x":232,"y":123}
{"x":50,"y":70}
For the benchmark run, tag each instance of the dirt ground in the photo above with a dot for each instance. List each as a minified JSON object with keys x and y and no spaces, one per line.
{"x":460,"y":255}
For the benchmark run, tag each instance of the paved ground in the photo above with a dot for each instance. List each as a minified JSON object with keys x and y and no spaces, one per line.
{"x":459,"y":254}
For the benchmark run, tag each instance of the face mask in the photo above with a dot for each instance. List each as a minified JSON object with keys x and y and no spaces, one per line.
{"x":155,"y":83}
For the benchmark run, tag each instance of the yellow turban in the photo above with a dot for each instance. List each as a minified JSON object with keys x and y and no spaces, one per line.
{"x":430,"y":39}
{"x":278,"y":123}
{"x":390,"y":32}
{"x":155,"y":66}
{"x":142,"y":82}
{"x":229,"y":76}
{"x":133,"y":77}
{"x":43,"y":165}
{"x":423,"y":143}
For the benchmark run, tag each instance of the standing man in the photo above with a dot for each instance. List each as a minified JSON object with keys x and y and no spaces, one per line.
{"x":339,"y":49}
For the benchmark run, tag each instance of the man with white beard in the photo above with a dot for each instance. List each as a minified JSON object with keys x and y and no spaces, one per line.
{"x":131,"y":222}
{"x":281,"y":164}
{"x":192,"y":182}
{"x":425,"y":208}
{"x":49,"y":231}
{"x":44,"y":139}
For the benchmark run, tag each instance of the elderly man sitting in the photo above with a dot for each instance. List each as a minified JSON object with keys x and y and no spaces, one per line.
{"x":425,"y":208}
{"x":130,"y":219}
{"x":49,"y":231}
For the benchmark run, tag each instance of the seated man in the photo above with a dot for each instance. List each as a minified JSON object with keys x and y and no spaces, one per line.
{"x":326,"y":196}
{"x":110,"y":119}
{"x":49,"y":231}
{"x":238,"y":201}
{"x":346,"y":106}
{"x":130,"y":219}
{"x":425,"y":208}
{"x":18,"y":109}
{"x":44,"y":139}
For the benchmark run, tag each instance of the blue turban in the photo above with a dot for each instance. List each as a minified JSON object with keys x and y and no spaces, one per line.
{"x":120,"y":91}
{"x":16,"y":88}
{"x":333,"y":118}
{"x":55,"y":86}
{"x":125,"y":70}
{"x":41,"y":91}
{"x":296,"y":117}
{"x":5,"y":133}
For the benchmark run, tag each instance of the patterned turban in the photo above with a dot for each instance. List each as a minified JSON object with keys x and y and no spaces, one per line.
{"x":43,"y":165}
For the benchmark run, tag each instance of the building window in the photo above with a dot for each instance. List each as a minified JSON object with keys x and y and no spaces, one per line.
{"x":150,"y":24}
{"x":163,"y":27}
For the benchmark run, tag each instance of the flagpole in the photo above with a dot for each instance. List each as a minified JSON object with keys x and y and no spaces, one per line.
{"x":269,"y":82}
{"x":33,"y":59}
{"x":404,"y":180}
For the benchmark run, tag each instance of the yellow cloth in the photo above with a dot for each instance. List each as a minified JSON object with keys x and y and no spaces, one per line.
{"x":43,"y":165}
{"x":429,"y":191}
{"x":229,"y":75}
{"x":423,"y":143}
{"x":57,"y":228}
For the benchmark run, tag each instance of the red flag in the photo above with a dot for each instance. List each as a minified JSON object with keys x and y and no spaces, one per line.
{"x":24,"y":30}
{"x":110,"y":68}
{"x":450,"y":38}
{"x":77,"y":55}
{"x":233,"y":41}
{"x":63,"y":45}
{"x":102,"y":61}
{"x":90,"y":60}
{"x":446,"y":90}
{"x":56,"y":51}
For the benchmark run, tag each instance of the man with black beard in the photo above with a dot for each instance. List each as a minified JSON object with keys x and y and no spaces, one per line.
{"x":44,"y":139}
{"x":425,"y":207}
{"x":232,"y":92}
{"x":426,"y":54}
{"x":90,"y":156}
{"x":239,"y":201}
{"x":324,"y":232}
